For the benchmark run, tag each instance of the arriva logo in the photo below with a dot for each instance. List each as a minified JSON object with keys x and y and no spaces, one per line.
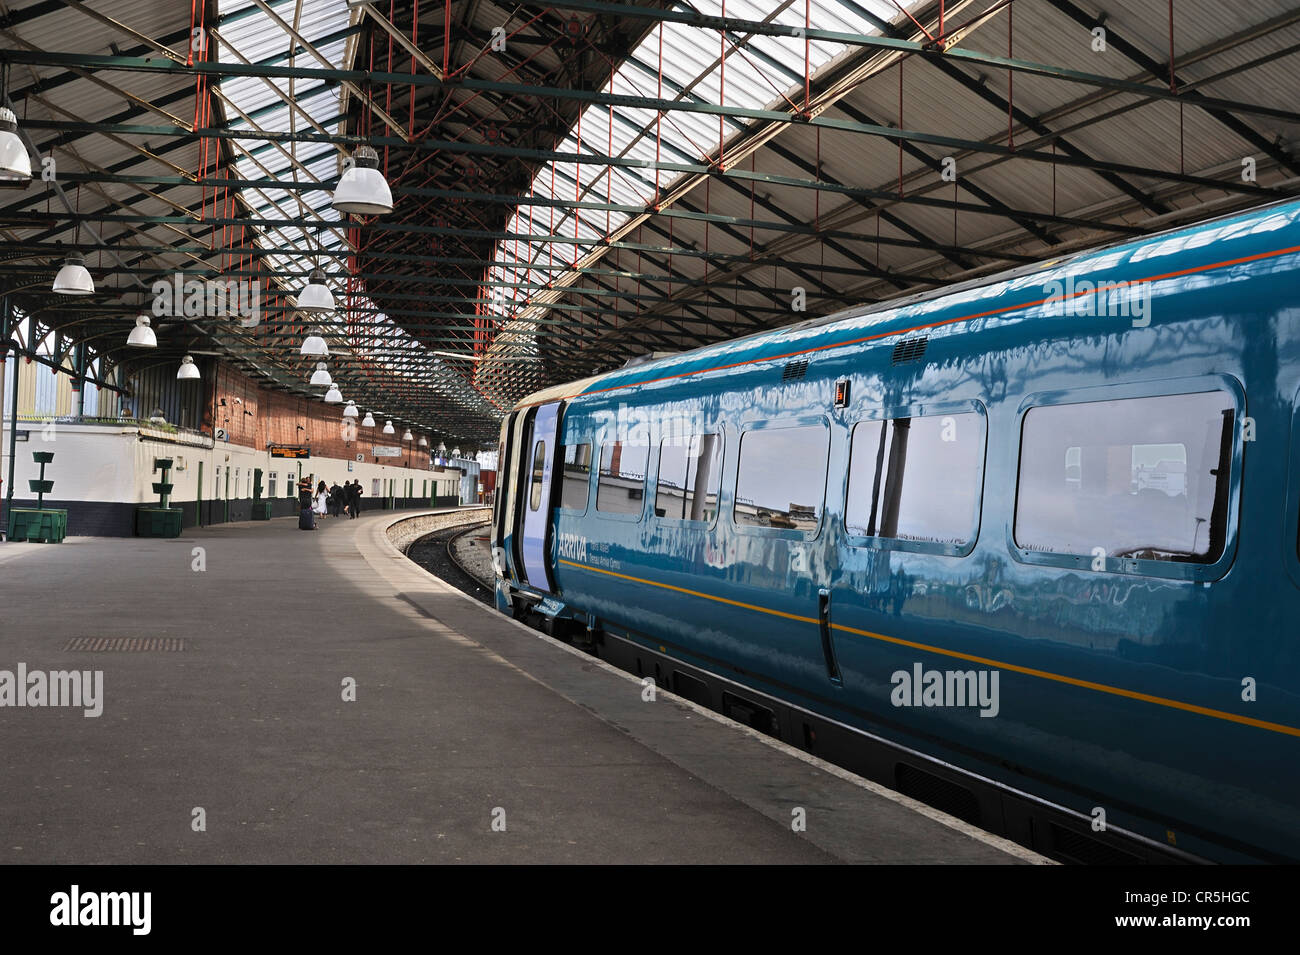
{"x":573,"y":547}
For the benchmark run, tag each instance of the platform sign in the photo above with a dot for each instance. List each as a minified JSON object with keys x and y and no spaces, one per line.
{"x":296,"y":453}
{"x":386,"y":451}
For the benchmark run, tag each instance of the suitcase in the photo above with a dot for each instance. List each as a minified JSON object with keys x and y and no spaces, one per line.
{"x":306,"y":519}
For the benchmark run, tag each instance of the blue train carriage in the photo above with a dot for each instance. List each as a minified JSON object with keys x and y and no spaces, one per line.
{"x":1026,"y":548}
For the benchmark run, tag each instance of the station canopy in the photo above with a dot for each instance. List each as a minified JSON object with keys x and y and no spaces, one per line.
{"x":581,"y":185}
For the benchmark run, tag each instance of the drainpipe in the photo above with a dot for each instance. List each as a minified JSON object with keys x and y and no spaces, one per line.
{"x":13,"y":418}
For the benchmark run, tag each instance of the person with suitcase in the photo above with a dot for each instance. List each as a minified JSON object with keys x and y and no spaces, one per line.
{"x":306,"y":516}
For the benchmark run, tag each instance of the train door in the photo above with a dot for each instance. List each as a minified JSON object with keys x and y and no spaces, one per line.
{"x":535,"y":494}
{"x":504,"y":484}
{"x":514,"y":438}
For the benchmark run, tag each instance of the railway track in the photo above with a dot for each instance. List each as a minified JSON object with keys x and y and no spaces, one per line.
{"x":437,"y":553}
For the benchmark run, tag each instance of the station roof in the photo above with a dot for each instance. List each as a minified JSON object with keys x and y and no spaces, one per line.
{"x":580,"y":185}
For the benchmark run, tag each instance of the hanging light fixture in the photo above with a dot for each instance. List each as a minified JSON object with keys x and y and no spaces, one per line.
{"x":142,"y":336}
{"x":442,"y":448}
{"x":455,"y":453}
{"x":313,"y":346}
{"x":15,"y":164}
{"x":351,"y":410}
{"x":362,"y":188}
{"x":320,"y":378}
{"x":388,"y":428}
{"x":333,"y":396}
{"x":368,"y":421}
{"x":188,"y":370}
{"x":424,"y":442}
{"x":73,"y":277}
{"x":316,"y":295}
{"x":408,"y":436}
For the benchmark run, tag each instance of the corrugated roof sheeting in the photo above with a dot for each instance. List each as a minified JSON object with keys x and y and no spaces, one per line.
{"x":660,"y":300}
{"x":1173,"y":139}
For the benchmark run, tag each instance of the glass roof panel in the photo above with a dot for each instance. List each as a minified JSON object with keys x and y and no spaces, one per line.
{"x":758,"y":71}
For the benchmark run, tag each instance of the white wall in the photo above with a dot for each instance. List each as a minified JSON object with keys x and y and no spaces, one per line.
{"x":93,"y":463}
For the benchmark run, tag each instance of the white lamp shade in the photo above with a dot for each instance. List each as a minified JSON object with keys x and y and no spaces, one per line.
{"x":15,"y":164}
{"x":188,"y":370}
{"x":142,"y":336}
{"x":316,"y":296}
{"x":455,"y":452}
{"x":362,"y":189}
{"x":73,"y":277}
{"x":351,"y":410}
{"x":424,"y":442}
{"x":321,"y":376}
{"x":334,"y":396}
{"x":388,"y":428}
{"x":313,"y":346}
{"x":408,"y":436}
{"x":368,"y":421}
{"x":442,"y":448}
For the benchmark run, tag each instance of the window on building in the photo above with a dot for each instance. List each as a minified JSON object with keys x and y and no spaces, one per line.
{"x":621,"y":481}
{"x":216,"y":484}
{"x":690,"y":476}
{"x":1137,"y":477}
{"x":272,"y":482}
{"x":781,"y":477}
{"x":917,"y":479}
{"x":539,"y":470}
{"x":577,"y":477}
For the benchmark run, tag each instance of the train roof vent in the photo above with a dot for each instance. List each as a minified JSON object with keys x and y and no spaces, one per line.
{"x":909,"y":350}
{"x":794,"y":370}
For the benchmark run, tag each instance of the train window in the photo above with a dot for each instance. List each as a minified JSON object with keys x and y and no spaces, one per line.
{"x":781,"y":477}
{"x":577,"y":476}
{"x":690,"y":476}
{"x":1138,"y":477}
{"x":917,"y":479}
{"x":539,"y":465}
{"x":621,"y":484}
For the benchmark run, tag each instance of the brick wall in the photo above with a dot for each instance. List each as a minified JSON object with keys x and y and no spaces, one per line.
{"x":256,"y":416}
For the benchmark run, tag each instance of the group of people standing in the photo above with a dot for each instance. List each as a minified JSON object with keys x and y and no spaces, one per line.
{"x":332,"y":500}
{"x":342,"y":500}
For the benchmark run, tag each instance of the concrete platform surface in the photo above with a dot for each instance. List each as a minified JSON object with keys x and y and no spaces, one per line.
{"x":241,"y":747}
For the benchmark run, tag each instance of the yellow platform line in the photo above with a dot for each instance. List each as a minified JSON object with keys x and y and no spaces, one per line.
{"x":986,"y":661}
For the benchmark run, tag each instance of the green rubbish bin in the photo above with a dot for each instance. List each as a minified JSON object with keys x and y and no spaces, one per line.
{"x":158,"y":521}
{"x":44,"y":525}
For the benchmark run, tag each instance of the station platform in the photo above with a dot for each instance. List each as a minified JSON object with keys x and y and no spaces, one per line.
{"x":462,"y":717}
